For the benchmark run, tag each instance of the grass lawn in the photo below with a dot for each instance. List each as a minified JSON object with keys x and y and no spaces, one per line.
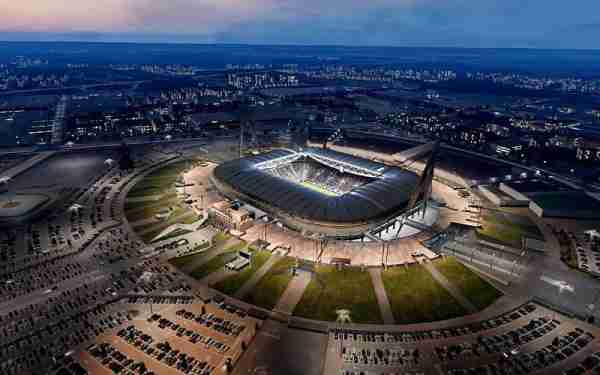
{"x":153,"y":208}
{"x":149,"y":236}
{"x":217,"y":262}
{"x":270,"y":288}
{"x":159,"y":227}
{"x":173,"y":234}
{"x":220,"y":237}
{"x":507,"y":228}
{"x":415,"y":296}
{"x":330,"y":290}
{"x":149,"y":209}
{"x":132,"y":206}
{"x":474,"y":288}
{"x":158,"y":181}
{"x":185,"y":259}
{"x":234,"y":282}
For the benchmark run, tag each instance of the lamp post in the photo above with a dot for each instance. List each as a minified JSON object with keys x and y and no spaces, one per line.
{"x":562,"y":286}
{"x":592,"y":305}
{"x":4,"y":180}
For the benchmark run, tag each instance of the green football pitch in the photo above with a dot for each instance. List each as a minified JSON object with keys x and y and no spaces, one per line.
{"x":318,"y":188}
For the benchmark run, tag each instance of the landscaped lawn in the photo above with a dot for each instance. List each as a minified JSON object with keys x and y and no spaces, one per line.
{"x":217,"y":262}
{"x":138,"y":205}
{"x":234,"y":282}
{"x":161,"y":181}
{"x":270,"y":288}
{"x":158,"y":227}
{"x":158,"y":181}
{"x":473,"y":287}
{"x":149,"y":210}
{"x":331,"y":290}
{"x":220,"y":237}
{"x":415,"y":296}
{"x":183,"y":260}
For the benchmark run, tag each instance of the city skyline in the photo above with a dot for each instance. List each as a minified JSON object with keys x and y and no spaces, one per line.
{"x":428,"y":23}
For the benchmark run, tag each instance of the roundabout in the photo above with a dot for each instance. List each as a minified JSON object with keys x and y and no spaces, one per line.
{"x":19,"y":205}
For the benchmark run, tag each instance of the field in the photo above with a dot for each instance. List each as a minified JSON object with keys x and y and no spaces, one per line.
{"x":234,"y":282}
{"x":319,"y":189}
{"x":183,"y":260}
{"x":507,"y":228}
{"x":474,"y":288}
{"x":217,"y":262}
{"x":158,"y":187}
{"x":416,"y":297}
{"x":159,"y":180}
{"x":270,"y":288}
{"x":330,"y":290}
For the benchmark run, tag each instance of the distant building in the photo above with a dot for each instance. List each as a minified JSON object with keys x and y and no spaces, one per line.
{"x":224,"y":214}
{"x":508,"y":148}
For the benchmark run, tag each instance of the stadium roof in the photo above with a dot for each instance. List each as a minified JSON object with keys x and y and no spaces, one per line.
{"x":384,"y":196}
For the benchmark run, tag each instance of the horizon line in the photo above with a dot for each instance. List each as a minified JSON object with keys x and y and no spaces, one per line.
{"x":251,"y":44}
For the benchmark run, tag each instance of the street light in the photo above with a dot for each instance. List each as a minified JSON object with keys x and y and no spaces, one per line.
{"x":4,"y":180}
{"x":109,"y":162}
{"x":75,"y":207}
{"x":562,"y":286}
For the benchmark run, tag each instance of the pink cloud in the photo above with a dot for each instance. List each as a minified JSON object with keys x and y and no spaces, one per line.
{"x":173,"y":16}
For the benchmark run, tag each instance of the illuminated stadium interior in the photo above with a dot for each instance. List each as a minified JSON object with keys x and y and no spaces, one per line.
{"x":314,"y":175}
{"x":319,"y":191}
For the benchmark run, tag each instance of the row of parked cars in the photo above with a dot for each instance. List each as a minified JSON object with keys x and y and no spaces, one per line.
{"x":164,"y":352}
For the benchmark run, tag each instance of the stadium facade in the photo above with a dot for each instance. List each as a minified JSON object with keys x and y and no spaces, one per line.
{"x":319,"y":191}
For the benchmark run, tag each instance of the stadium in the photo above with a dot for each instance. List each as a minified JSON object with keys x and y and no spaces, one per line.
{"x":319,"y":191}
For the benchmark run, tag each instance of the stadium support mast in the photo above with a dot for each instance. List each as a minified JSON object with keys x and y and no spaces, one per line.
{"x":247,"y":124}
{"x":242,"y":122}
{"x":336,"y":136}
{"x":423,"y":189}
{"x":424,"y":186}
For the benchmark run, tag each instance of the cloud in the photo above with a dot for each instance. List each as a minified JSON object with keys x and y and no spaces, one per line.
{"x":62,"y":15}
{"x":490,"y":23}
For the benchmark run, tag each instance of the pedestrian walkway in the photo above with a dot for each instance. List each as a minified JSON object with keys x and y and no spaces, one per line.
{"x":450,"y":288}
{"x":293,"y":293}
{"x":382,"y":298}
{"x":254,"y":279}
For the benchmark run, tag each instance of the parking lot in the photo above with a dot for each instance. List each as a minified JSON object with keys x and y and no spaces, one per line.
{"x":194,"y":338}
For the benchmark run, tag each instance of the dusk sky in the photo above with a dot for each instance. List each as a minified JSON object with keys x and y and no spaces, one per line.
{"x":465,"y":23}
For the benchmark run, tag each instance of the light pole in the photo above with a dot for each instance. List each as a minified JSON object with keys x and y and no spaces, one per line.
{"x":592,"y":305}
{"x":4,"y":180}
{"x":75,"y":207}
{"x":513,"y":267}
{"x":562,"y":286}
